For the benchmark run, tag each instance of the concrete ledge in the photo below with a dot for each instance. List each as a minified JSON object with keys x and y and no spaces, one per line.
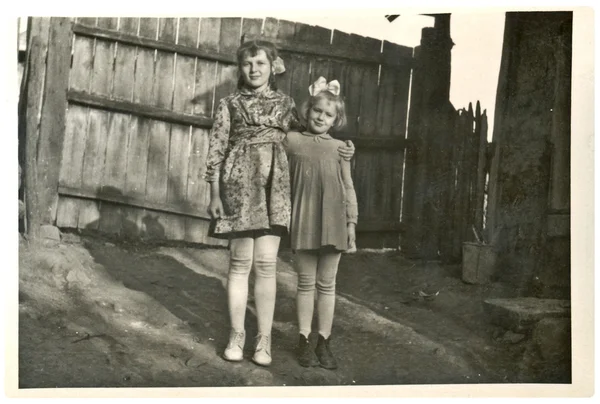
{"x":520,"y":314}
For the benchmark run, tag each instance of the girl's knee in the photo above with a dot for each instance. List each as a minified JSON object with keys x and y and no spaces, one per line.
{"x":326,"y":285}
{"x":306,"y":283}
{"x":265,"y":265}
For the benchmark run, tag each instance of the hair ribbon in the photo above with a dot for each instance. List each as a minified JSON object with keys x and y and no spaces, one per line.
{"x":322,"y":85}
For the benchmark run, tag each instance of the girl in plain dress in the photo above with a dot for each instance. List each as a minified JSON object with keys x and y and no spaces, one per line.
{"x":248,"y":171}
{"x":324,"y":215}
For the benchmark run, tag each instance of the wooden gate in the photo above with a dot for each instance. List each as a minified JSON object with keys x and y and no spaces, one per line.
{"x":141,"y":97}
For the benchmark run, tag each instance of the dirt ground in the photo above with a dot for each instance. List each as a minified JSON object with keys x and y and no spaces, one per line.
{"x":95,"y":312}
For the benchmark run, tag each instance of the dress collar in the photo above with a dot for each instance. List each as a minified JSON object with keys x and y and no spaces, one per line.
{"x":266,"y":93}
{"x":318,"y":138}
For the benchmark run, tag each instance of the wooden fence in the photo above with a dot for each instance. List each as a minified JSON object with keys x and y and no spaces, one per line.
{"x":130,"y":143}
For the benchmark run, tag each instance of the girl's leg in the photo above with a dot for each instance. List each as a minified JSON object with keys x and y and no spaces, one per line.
{"x":240,"y":263}
{"x":306,"y":266}
{"x":265,"y":262}
{"x":305,"y":298}
{"x":326,"y":273}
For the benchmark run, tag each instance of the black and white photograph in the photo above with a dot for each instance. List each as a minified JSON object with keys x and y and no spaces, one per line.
{"x":367,"y":199}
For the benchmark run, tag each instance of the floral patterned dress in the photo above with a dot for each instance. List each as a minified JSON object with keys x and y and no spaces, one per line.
{"x":247,"y":156}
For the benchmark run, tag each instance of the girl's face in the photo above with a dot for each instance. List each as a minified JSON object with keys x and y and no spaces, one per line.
{"x":256,"y":70}
{"x":321,"y":116}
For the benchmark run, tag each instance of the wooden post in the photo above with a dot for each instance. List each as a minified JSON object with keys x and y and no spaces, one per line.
{"x":44,"y":117}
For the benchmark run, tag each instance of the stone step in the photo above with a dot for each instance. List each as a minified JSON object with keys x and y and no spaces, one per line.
{"x":521,"y":314}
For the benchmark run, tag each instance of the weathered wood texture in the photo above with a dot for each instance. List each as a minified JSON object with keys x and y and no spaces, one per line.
{"x":141,"y":101}
{"x":530,"y":176}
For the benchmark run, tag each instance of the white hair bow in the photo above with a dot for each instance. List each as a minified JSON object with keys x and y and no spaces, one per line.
{"x":322,"y":85}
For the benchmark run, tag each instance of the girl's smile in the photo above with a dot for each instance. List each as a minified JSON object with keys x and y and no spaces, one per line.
{"x":321,"y":116}
{"x":256,"y":70}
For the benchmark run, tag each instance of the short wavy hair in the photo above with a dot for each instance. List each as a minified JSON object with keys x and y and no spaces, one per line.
{"x":340,"y":106}
{"x":251,"y":48}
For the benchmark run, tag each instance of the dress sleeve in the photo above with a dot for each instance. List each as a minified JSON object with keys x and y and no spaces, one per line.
{"x":351,"y":202}
{"x":218,"y":141}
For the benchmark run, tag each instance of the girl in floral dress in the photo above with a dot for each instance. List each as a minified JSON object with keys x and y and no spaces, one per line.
{"x":248,"y":171}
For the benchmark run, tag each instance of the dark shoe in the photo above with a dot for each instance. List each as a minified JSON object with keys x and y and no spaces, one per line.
{"x":306,"y":356}
{"x":326,"y":359}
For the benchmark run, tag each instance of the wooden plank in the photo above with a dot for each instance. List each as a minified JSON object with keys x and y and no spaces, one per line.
{"x":208,"y":39}
{"x":83,"y":59}
{"x":53,"y":119}
{"x":128,"y":107}
{"x":137,"y":157}
{"x":110,"y":195}
{"x":103,"y":70}
{"x":74,"y":146}
{"x":481,"y":173}
{"x":204,"y":87}
{"x":149,"y":27}
{"x":285,"y":31}
{"x":198,"y":190}
{"x":229,"y":39}
{"x":158,"y":155}
{"x":116,"y":169}
{"x":93,"y":163}
{"x":165,"y":66}
{"x":125,"y":59}
{"x":177,"y":179}
{"x":135,"y":40}
{"x":144,"y":71}
{"x":251,"y":28}
{"x":188,"y":32}
{"x":107,"y":22}
{"x":65,"y":217}
{"x":370,"y":88}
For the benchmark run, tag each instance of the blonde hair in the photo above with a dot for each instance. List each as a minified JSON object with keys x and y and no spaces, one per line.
{"x":340,"y":107}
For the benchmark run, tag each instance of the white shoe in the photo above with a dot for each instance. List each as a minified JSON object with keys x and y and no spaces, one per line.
{"x":235,"y":349}
{"x":262,"y":354}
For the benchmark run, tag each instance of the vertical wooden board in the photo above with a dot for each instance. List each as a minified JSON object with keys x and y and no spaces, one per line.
{"x":111,"y":218}
{"x":270,"y":28}
{"x":129,"y":25}
{"x":167,"y":29}
{"x":397,"y":182}
{"x":107,"y":22}
{"x":74,"y":146}
{"x":115,"y":172}
{"x":385,"y":103}
{"x":67,"y":212}
{"x":196,"y":231}
{"x":165,"y":66}
{"x":251,"y":27}
{"x":131,"y":223}
{"x":144,"y":71}
{"x":299,"y":67}
{"x":198,"y":190}
{"x":90,"y":21}
{"x":401,"y":95}
{"x":285,"y":31}
{"x":125,"y":62}
{"x":148,"y":27}
{"x":370,"y":86}
{"x":184,"y":84}
{"x":227,"y":74}
{"x":204,"y":88}
{"x":95,"y":150}
{"x":350,"y":78}
{"x":89,"y":214}
{"x":158,"y":156}
{"x":116,"y":152}
{"x":137,"y":157}
{"x":230,"y":35}
{"x":173,"y":225}
{"x":315,"y":35}
{"x":188,"y":31}
{"x":179,"y":157}
{"x":102,"y":74}
{"x":81,"y":68}
{"x":153,"y":226}
{"x":210,"y":29}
